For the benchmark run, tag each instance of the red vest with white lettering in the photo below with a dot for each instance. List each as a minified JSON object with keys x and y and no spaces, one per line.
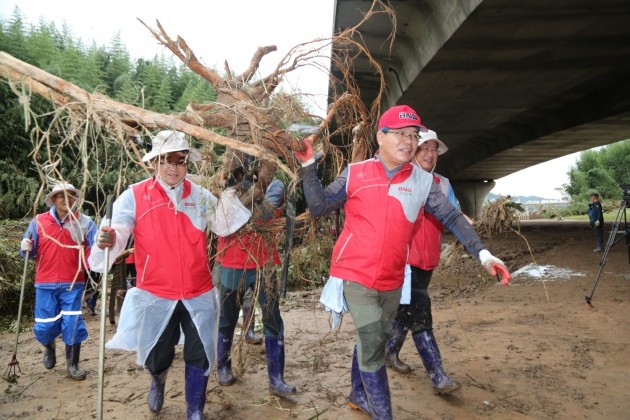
{"x":380,"y":215}
{"x":55,"y":262}
{"x":171,"y":253}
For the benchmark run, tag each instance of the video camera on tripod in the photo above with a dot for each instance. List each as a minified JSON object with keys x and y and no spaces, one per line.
{"x":612,"y":239}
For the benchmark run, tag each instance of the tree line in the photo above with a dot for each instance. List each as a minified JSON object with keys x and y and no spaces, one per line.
{"x":601,"y":171}
{"x":159,"y":85}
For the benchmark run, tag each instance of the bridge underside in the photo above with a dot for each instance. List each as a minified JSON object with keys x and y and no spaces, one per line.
{"x":505,"y":84}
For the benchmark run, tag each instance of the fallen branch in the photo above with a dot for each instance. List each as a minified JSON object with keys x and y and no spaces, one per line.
{"x":63,"y":93}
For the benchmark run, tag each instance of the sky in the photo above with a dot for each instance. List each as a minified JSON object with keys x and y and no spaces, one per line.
{"x":539,"y":180}
{"x":216,"y":30}
{"x":232,"y":30}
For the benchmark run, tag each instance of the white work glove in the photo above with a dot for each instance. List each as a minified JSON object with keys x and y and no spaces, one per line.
{"x":26,"y":245}
{"x":596,"y":223}
{"x":494,"y":266}
{"x":231,"y":214}
{"x":106,"y":237}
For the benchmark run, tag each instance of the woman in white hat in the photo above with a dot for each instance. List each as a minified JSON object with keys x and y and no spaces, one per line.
{"x":57,"y":240}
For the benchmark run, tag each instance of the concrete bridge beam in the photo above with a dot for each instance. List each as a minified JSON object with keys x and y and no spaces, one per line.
{"x":471,"y":195}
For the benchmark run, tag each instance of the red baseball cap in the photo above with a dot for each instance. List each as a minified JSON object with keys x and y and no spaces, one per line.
{"x":400,"y":116}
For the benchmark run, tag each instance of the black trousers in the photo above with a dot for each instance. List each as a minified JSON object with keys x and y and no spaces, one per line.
{"x":162,"y":354}
{"x":417,"y":315}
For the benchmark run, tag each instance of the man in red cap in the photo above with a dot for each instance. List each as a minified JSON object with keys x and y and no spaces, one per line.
{"x":382,"y":198}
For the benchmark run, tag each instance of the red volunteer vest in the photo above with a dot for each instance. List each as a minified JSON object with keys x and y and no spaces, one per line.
{"x":380,"y":215}
{"x":170,"y":251}
{"x":247,"y":249}
{"x":55,"y":262}
{"x":425,"y":247}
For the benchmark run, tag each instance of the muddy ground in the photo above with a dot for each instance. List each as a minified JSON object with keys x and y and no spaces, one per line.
{"x":532,"y":350}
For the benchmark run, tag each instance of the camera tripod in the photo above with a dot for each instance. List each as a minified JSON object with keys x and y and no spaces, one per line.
{"x":613,"y":240}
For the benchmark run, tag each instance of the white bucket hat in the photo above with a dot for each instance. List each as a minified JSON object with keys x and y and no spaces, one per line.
{"x":168,"y":141}
{"x":432,"y":135}
{"x":61,"y":186}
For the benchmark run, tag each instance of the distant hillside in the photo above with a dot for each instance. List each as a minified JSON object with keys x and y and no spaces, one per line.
{"x":523,"y":198}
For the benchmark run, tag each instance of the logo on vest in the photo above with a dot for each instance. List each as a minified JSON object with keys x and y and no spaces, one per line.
{"x":405,"y":190}
{"x":188,"y":204}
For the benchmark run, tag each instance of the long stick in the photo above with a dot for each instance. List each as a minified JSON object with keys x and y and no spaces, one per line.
{"x":19,"y":317}
{"x":101,"y":354}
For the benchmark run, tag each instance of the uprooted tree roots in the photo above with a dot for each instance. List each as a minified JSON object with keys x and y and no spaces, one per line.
{"x":248,"y":118}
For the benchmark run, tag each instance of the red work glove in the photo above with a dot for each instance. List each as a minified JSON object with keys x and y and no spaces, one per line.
{"x":106,"y":237}
{"x":305,"y":157}
{"x":494,"y":266}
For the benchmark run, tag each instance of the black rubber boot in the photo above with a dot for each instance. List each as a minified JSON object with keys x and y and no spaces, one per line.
{"x":430,"y":354}
{"x":394,"y":344}
{"x":248,"y":325}
{"x":73,"y":353}
{"x":50,"y":355}
{"x":156,"y":391}
{"x":224,"y":361}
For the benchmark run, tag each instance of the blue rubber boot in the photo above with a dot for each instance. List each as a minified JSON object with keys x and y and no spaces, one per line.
{"x":394,"y":344}
{"x":357,"y":399}
{"x":156,"y":391}
{"x":377,"y":390}
{"x":274,"y":347}
{"x":196,"y":385}
{"x":224,"y":361}
{"x":430,"y":354}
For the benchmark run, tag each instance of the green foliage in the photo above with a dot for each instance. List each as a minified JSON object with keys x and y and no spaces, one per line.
{"x":310,"y":258}
{"x":11,"y":271}
{"x":17,"y":194}
{"x":599,"y":171}
{"x":81,"y":153}
{"x":197,"y":90}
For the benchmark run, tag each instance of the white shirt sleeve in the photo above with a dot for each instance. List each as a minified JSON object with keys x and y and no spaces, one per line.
{"x":123,"y":221}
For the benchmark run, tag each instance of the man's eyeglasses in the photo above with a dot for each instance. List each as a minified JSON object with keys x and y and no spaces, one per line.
{"x":174,"y":162}
{"x":410,"y":136}
{"x":427,"y":149}
{"x":65,"y":194}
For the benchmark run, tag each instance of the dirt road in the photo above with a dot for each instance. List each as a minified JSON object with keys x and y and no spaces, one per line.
{"x":532,"y":350}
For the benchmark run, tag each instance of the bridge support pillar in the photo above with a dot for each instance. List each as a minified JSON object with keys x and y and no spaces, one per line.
{"x":471,"y":195}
